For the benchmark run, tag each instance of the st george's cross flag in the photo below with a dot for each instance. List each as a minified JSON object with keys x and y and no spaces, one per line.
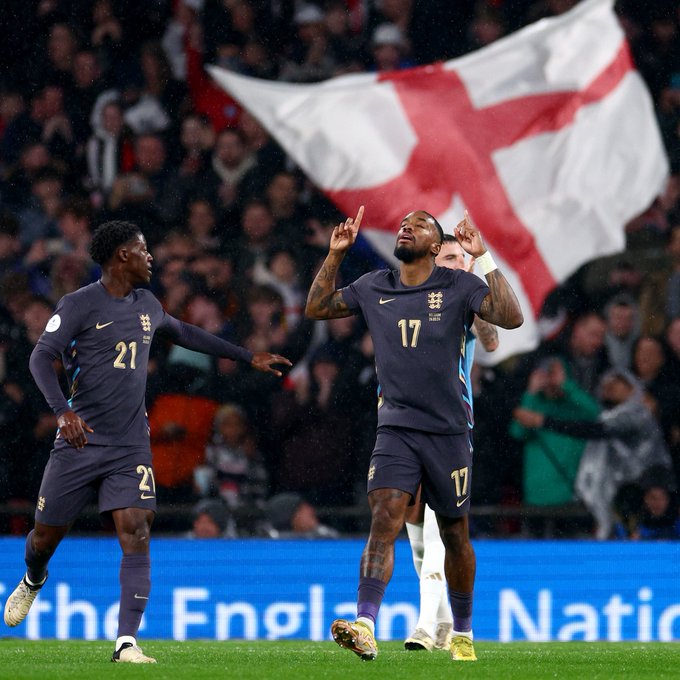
{"x":548,"y":137}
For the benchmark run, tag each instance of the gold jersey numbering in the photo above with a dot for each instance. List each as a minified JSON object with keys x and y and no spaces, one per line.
{"x":409,"y":324}
{"x":122,"y":349}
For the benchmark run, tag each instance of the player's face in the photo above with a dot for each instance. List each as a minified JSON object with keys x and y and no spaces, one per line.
{"x":417,"y":237}
{"x":451,"y":255}
{"x":139,"y":260}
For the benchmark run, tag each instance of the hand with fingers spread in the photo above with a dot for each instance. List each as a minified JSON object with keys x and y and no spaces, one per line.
{"x":73,"y":428}
{"x":345,"y":234}
{"x":469,"y":237}
{"x":263,"y":361}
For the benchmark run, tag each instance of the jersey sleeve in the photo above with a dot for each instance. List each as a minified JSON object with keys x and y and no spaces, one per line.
{"x":61,"y":330}
{"x":476,"y":290}
{"x":353,"y":294}
{"x":64,"y":325}
{"x":195,"y":338}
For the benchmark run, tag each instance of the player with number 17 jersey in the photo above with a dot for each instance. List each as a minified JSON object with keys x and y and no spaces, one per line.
{"x":419,"y":335}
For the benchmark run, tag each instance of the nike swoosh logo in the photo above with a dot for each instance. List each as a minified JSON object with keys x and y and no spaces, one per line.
{"x":145,"y":498}
{"x":99,"y":326}
{"x":382,"y":302}
{"x":459,"y":503}
{"x":140,"y":597}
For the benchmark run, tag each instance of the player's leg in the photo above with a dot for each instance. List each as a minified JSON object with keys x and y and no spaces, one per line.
{"x":447,"y":483}
{"x":460,"y":567}
{"x":41,"y":543}
{"x":133,"y":527}
{"x":388,"y":508}
{"x":393,"y":477}
{"x":434,"y":615}
{"x":414,"y":531}
{"x":65,"y":489}
{"x":128,"y":493}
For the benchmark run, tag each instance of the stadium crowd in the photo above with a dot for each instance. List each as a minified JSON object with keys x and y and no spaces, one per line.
{"x":106,"y":112}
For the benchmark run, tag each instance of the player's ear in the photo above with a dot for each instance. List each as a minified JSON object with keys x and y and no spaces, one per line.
{"x":436,"y":247}
{"x":123,"y":254}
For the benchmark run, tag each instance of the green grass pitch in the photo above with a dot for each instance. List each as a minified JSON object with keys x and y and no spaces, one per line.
{"x":295,"y":660}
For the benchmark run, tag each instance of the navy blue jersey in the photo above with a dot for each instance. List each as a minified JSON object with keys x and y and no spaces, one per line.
{"x":104,"y":344}
{"x":419,"y":335}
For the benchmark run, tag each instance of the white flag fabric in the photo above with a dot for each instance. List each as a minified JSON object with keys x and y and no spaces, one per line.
{"x":548,"y":137}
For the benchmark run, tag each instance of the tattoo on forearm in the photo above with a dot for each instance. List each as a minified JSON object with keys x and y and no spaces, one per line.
{"x":323,"y":301}
{"x":487,"y":334}
{"x":501,"y":306}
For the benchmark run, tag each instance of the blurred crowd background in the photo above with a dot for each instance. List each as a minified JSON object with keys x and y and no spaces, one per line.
{"x":106,"y":112}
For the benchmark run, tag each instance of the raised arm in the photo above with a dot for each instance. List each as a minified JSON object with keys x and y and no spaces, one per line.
{"x":486,"y":333}
{"x":500,"y":307}
{"x":323,"y":300}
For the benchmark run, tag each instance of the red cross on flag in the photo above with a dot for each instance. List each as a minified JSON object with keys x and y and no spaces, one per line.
{"x":548,"y":137}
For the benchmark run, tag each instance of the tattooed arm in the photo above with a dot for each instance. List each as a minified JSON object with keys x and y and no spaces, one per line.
{"x":323,"y":300}
{"x":500,"y":307}
{"x":486,"y":333}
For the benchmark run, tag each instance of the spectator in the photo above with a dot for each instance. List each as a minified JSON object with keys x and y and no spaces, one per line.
{"x":201,"y":223}
{"x":309,"y":59}
{"x":653,"y":369}
{"x":654,"y":515}
{"x":291,"y":516}
{"x":150,"y":193}
{"x":281,"y":273}
{"x":257,"y":238}
{"x":230,"y":166}
{"x":263,"y":325}
{"x":105,"y":151}
{"x":623,"y":329}
{"x":196,"y":140}
{"x":551,"y":459}
{"x":584,"y":352}
{"x":389,"y":48}
{"x":88,"y":85}
{"x":623,"y":444}
{"x":283,"y":194}
{"x":233,"y":469}
{"x":211,"y":519}
{"x":661,"y":288}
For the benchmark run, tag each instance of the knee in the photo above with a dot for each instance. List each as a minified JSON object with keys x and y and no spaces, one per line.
{"x":386,"y":521}
{"x":136,"y":538}
{"x":44,"y":542}
{"x":455,"y":540}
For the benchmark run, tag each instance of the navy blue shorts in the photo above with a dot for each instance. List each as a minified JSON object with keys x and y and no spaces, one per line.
{"x":404,"y":458}
{"x":117,"y":477}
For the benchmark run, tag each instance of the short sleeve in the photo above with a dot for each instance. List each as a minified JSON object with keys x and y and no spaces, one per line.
{"x":64,"y":325}
{"x":353,"y":294}
{"x":476,"y":290}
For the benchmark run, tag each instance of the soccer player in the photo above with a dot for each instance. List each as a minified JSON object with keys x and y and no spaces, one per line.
{"x":418,"y":317}
{"x":103,"y":332}
{"x":435,"y":623}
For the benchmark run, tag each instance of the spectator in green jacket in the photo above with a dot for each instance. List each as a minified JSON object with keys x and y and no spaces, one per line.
{"x":551,"y":459}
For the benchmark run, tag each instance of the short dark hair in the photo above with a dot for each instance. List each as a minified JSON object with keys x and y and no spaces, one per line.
{"x":437,"y":226}
{"x":110,"y":236}
{"x":449,"y":238}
